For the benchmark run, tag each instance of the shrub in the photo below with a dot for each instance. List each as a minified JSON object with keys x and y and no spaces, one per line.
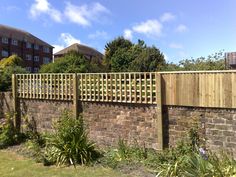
{"x":6,"y":76}
{"x":196,"y":165}
{"x":124,"y":154}
{"x":69,"y":144}
{"x":8,"y":134}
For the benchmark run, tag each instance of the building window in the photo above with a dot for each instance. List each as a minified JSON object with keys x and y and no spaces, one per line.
{"x":46,"y":49}
{"x":46,"y":60}
{"x":28,"y":57}
{"x":28,"y":45}
{"x":28,"y":69}
{"x":36,"y":58}
{"x":36,"y":70}
{"x":36,"y":46}
{"x":5,"y":53}
{"x":14,"y":42}
{"x":5,"y":40}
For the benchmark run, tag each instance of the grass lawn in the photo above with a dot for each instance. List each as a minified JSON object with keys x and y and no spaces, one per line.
{"x":14,"y":165}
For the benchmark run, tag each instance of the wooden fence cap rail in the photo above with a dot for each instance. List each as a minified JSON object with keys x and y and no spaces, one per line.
{"x":162,"y":72}
{"x":198,"y":72}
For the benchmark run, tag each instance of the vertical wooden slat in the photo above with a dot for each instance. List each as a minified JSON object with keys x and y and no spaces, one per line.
{"x":110,"y":87}
{"x":151,"y":100}
{"x":80,"y":82}
{"x":90,"y":88}
{"x":20,"y":86}
{"x":159,"y":112}
{"x":16,"y":105}
{"x":102,"y":87}
{"x":125,"y":87}
{"x":93,"y":87}
{"x":115,"y":88}
{"x":35,"y":82}
{"x":62,"y":86}
{"x":120,"y":88}
{"x":33,"y":79}
{"x":145,"y":87}
{"x":66,"y":87}
{"x":86,"y":87}
{"x":135,"y":89}
{"x":29,"y":86}
{"x":140,"y":88}
{"x":75,"y":95}
{"x":99,"y":88}
{"x":106,"y":87}
{"x":130,"y":88}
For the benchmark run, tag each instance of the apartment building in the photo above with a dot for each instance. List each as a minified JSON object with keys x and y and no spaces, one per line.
{"x":31,"y":49}
{"x":230,"y":60}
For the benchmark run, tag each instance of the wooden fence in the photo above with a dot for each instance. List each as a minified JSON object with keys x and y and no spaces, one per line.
{"x":200,"y":89}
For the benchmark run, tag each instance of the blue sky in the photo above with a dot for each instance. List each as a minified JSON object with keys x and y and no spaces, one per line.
{"x":180,"y":29}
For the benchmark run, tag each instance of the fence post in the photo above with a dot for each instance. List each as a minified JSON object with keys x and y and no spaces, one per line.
{"x":16,"y":105}
{"x":75,"y":95}
{"x":159,"y":112}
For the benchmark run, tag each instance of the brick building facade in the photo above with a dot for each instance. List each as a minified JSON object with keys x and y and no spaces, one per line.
{"x":31,"y":49}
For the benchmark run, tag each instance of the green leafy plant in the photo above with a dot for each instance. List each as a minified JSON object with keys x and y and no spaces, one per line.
{"x":124,"y":153}
{"x":69,"y":143}
{"x":8,"y":134}
{"x":194,"y":164}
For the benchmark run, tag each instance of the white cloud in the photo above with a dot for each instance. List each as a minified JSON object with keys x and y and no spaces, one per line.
{"x":40,"y":7}
{"x":65,"y":40}
{"x":181,"y":28}
{"x":128,"y":34}
{"x":175,"y":45}
{"x":84,"y":14}
{"x":98,"y":34}
{"x":68,"y":39}
{"x":166,"y":17}
{"x":150,"y":28}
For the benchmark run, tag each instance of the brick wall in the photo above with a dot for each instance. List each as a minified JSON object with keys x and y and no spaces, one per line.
{"x":107,"y":122}
{"x":6,"y":104}
{"x":43,"y":113}
{"x":217,"y":126}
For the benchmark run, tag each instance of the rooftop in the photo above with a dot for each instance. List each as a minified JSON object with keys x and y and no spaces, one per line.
{"x":83,"y":49}
{"x":20,"y":35}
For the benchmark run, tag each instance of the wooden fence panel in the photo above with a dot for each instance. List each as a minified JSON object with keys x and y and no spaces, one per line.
{"x":200,"y":89}
{"x":45,"y":86}
{"x":118,"y":87}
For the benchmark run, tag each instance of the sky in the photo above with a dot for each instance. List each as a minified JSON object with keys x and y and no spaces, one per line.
{"x":180,"y":29}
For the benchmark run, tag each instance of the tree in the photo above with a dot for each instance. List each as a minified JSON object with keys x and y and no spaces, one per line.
{"x":122,"y":56}
{"x":13,"y":60}
{"x":212,"y":62}
{"x":113,"y":47}
{"x":73,"y":62}
{"x":149,"y":59}
{"x":9,"y":66}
